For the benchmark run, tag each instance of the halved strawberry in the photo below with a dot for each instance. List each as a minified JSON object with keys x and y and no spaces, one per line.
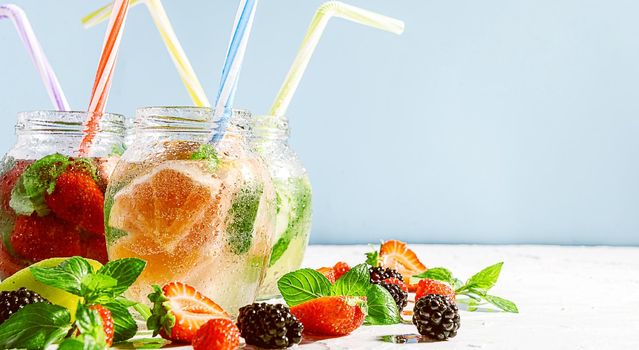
{"x":428,"y":286}
{"x":328,"y":272}
{"x":332,"y":316}
{"x":179,"y":310}
{"x":396,"y":255}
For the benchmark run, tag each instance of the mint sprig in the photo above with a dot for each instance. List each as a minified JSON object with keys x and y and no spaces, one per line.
{"x":35,"y":326}
{"x":476,"y":287}
{"x":76,"y":276}
{"x":304,"y":285}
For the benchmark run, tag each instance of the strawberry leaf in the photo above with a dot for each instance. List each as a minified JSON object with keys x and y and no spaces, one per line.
{"x":372,"y":258}
{"x":303,"y":285}
{"x":161,"y":319}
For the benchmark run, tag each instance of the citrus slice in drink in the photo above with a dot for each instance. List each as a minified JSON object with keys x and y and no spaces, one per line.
{"x":167,"y":217}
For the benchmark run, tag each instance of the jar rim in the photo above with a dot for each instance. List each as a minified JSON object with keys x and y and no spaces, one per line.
{"x":192,"y":119}
{"x":154,"y":110}
{"x":112,"y":117}
{"x":54,"y":121}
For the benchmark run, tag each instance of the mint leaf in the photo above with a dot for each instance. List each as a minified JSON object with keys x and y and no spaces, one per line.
{"x":503,"y":304}
{"x":355,"y":282}
{"x":486,"y":278}
{"x":241,"y":218}
{"x":91,"y":334}
{"x":207,"y":152}
{"x":37,"y":180}
{"x":89,"y":324}
{"x":124,"y":325}
{"x":126,"y":302}
{"x":124,"y":272}
{"x":92,"y":285}
{"x":382,"y":309}
{"x":76,"y":344}
{"x":35,"y":326}
{"x":67,"y":276}
{"x":438,"y":274}
{"x":303,"y":285}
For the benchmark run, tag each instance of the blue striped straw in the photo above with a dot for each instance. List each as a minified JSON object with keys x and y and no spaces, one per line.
{"x":233,"y":64}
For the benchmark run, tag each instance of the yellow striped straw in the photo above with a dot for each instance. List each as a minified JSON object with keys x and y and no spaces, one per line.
{"x":324,"y":13}
{"x":163,"y":24}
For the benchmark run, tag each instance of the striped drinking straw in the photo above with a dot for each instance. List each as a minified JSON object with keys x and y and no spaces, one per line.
{"x":233,"y":63}
{"x":173,"y":46}
{"x":25,"y":31}
{"x":104,"y":74}
{"x":322,"y":16}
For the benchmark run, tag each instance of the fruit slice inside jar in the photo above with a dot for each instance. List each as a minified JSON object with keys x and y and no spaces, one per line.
{"x":168,"y":217}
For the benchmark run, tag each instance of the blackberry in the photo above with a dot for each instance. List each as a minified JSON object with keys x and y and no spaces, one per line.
{"x":11,"y":302}
{"x":400,"y":297}
{"x":269,"y":326}
{"x":436,"y":317}
{"x":378,"y":274}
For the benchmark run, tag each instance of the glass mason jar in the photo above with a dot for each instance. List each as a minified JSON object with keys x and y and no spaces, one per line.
{"x":51,"y":199}
{"x":197,"y":213}
{"x":294,"y":195}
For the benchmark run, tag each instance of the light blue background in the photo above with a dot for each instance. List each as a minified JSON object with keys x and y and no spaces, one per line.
{"x":487,"y":121}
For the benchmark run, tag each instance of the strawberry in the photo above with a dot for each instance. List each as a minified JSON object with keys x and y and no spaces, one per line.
{"x":179,"y":310}
{"x":217,"y":334}
{"x":398,"y":256}
{"x":96,"y":249}
{"x":331,"y":316}
{"x":428,"y":286}
{"x":107,"y":322}
{"x":328,"y":272}
{"x":398,"y":282}
{"x":38,"y":238}
{"x":340,"y":269}
{"x":79,"y":200}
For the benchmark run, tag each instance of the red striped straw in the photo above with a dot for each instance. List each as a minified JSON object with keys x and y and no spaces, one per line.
{"x":103,"y":76}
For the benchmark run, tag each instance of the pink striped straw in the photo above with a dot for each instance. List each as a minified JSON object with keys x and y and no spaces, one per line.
{"x":25,"y":31}
{"x":104,"y":74}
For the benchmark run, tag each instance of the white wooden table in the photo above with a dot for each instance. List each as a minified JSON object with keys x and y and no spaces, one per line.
{"x":568,"y":297}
